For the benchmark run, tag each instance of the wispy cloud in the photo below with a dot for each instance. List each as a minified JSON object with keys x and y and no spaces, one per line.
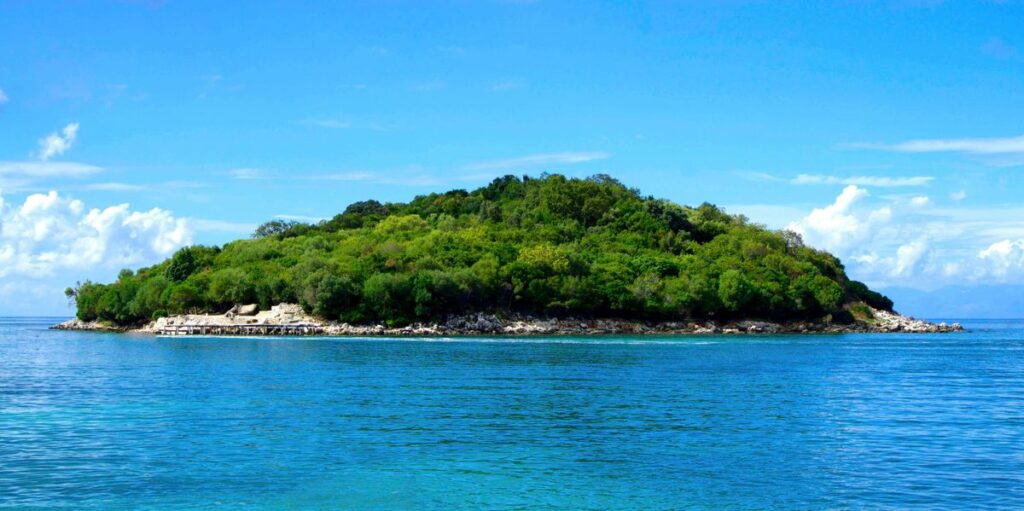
{"x":57,"y":143}
{"x":388,"y":178}
{"x":762,"y":177}
{"x":879,"y":181}
{"x":920,"y":201}
{"x":536,"y":160}
{"x":453,"y":49}
{"x":507,"y":85}
{"x":114,"y":187}
{"x":249,"y":173}
{"x":1006,"y":145}
{"x":183,"y":184}
{"x":346,"y":176}
{"x":46,"y":169}
{"x":377,"y":50}
{"x":3,"y":97}
{"x":300,"y":218}
{"x":209,"y":83}
{"x":328,"y":123}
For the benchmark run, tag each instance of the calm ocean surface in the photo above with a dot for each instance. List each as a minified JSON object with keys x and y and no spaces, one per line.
{"x":100,"y":421}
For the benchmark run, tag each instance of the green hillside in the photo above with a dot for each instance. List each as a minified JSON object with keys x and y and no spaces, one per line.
{"x":550,"y":245}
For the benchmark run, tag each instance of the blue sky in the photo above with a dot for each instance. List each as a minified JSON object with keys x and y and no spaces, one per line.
{"x":888,"y":132}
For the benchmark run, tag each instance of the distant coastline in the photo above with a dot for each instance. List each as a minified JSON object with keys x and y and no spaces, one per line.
{"x":290,"y":320}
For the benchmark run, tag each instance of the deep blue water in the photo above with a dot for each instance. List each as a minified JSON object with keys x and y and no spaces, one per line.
{"x":102,"y":421}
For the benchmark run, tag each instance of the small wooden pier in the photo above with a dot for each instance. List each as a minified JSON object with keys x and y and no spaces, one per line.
{"x":284,"y":330}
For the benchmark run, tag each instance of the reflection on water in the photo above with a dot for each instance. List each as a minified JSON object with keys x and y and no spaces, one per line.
{"x":101,"y":421}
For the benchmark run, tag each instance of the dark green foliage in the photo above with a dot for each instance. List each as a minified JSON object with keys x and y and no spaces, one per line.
{"x":551,"y":245}
{"x":356,"y":215}
{"x":859,"y":291}
{"x":183,"y":263}
{"x":281,"y":229}
{"x":330,"y":296}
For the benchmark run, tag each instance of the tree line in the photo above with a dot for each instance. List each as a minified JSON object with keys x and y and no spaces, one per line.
{"x":548,"y":245}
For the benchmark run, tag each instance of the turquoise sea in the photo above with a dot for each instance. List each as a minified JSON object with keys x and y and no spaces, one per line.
{"x":103,"y":421}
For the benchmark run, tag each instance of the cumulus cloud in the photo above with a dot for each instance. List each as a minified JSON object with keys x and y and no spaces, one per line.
{"x":958,"y":195}
{"x":836,"y":226}
{"x":879,"y":181}
{"x":57,"y":143}
{"x":908,"y":257}
{"x":908,"y":242}
{"x":1003,"y":259}
{"x":48,"y":233}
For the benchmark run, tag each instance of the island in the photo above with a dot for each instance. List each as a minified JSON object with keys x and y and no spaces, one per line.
{"x":548,"y":255}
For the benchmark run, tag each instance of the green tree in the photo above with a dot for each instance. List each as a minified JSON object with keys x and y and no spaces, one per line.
{"x":182,"y":265}
{"x":734,"y":290}
{"x":231,"y":286}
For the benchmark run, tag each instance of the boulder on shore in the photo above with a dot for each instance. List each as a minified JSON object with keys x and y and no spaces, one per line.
{"x":285,"y":314}
{"x":248,"y":310}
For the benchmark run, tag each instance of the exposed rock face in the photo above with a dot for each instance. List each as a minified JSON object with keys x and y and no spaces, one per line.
{"x":291,"y":315}
{"x":248,"y":310}
{"x":889,"y":322}
{"x":93,"y":326}
{"x":283,"y":314}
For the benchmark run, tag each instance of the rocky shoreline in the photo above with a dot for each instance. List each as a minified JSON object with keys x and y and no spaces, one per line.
{"x":289,"y":319}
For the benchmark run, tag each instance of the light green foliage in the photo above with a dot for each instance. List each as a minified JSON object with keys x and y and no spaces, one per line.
{"x":550,"y":245}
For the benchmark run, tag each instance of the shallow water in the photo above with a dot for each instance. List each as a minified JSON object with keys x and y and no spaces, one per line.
{"x":104,"y":421}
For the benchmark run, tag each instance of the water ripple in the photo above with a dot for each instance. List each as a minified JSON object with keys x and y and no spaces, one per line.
{"x":96,"y":421}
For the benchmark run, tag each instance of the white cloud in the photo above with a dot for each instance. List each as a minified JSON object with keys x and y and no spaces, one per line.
{"x":333,"y":124}
{"x":114,"y":187}
{"x":1005,"y":145}
{"x":3,"y":97}
{"x":248,"y":173}
{"x":1003,"y":259}
{"x":879,"y":181}
{"x":48,"y":233}
{"x":347,"y":176}
{"x":836,"y":226}
{"x":57,"y":143}
{"x":762,"y":177}
{"x":896,"y":241}
{"x":908,"y":257}
{"x":300,"y":218}
{"x":958,"y":195}
{"x":920,"y":201}
{"x":46,"y":169}
{"x":534,"y":160}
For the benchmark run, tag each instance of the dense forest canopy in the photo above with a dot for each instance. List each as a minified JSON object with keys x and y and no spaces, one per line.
{"x":549,"y":245}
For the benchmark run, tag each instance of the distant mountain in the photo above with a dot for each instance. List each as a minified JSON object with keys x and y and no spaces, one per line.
{"x":961,"y":302}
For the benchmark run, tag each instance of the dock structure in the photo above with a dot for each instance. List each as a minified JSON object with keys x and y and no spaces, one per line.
{"x":295,"y":329}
